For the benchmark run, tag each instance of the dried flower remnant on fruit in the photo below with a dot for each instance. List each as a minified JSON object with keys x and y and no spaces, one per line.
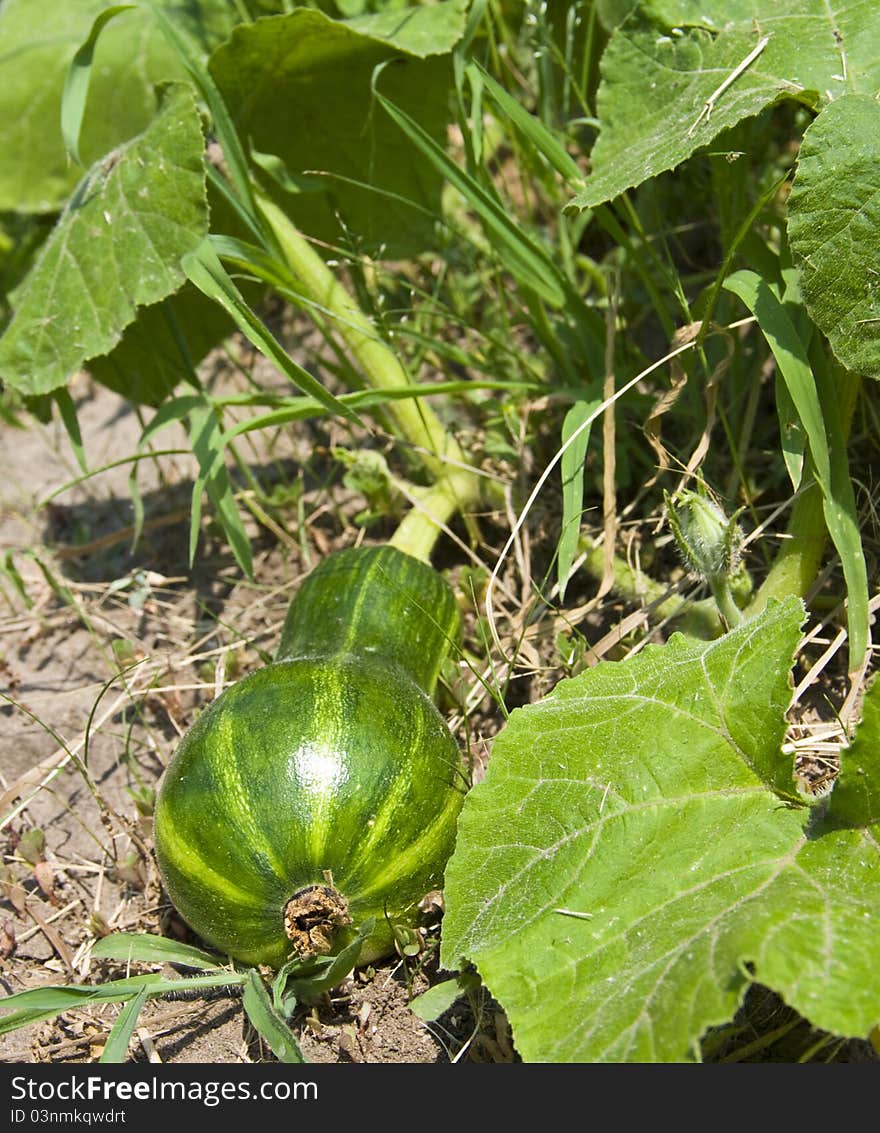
{"x":311,"y":919}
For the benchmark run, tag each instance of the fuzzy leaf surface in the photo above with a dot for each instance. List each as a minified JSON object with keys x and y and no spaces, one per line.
{"x":38,"y":39}
{"x":430,"y":30}
{"x":662,"y":66}
{"x":625,"y":859}
{"x":116,"y":247}
{"x":834,"y":228}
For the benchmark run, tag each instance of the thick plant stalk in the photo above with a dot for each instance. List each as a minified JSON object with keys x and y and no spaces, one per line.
{"x":456,"y":485}
{"x":798,"y":560}
{"x":797,"y":563}
{"x":431,"y":511}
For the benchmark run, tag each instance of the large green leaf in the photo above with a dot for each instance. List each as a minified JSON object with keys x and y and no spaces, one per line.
{"x":38,"y":39}
{"x":625,"y":869}
{"x":116,"y":247}
{"x":162,"y":346}
{"x":658,"y":74}
{"x":834,"y":227}
{"x":431,"y":29}
{"x":300,"y":88}
{"x":167,"y":340}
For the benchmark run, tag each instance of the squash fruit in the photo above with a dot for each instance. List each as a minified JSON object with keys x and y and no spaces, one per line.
{"x":323,"y":790}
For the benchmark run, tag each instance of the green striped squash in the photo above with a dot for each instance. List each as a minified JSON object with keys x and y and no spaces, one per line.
{"x":322,"y":790}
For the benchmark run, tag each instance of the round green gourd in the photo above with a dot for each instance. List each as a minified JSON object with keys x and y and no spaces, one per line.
{"x":324,"y":789}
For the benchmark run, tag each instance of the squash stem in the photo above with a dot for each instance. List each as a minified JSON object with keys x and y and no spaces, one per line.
{"x":381,"y":367}
{"x":456,"y":486}
{"x":723,"y":595}
{"x":431,"y":510}
{"x":312,"y":919}
{"x":699,"y":619}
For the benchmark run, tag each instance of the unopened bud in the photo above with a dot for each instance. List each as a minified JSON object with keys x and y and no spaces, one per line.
{"x":709,"y":542}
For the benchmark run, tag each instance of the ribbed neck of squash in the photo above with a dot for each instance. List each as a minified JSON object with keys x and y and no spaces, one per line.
{"x":377,"y":602}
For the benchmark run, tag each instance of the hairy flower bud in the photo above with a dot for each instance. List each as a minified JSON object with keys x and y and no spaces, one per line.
{"x":709,"y":542}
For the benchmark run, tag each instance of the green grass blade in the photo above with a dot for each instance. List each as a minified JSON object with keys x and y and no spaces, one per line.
{"x":525,"y":258}
{"x":572,"y":472}
{"x":272,"y":165}
{"x":132,"y":459}
{"x":227,"y":192}
{"x":10,"y":1023}
{"x":76,"y":83}
{"x":68,"y":415}
{"x":39,"y":1003}
{"x":826,"y":440}
{"x":52,"y":1000}
{"x":204,"y":269}
{"x":137,"y":507}
{"x":255,"y":260}
{"x":174,"y":410}
{"x":26,"y":1017}
{"x":302,"y":408}
{"x":220,"y":494}
{"x":791,"y":358}
{"x":196,"y":424}
{"x":116,"y":1046}
{"x":195,"y":517}
{"x":9,"y":570}
{"x":841,"y":519}
{"x":267,"y":1022}
{"x":791,"y":434}
{"x":531,"y":128}
{"x":208,"y":448}
{"x":134,"y":946}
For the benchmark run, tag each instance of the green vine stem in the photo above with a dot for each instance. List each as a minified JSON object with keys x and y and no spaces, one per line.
{"x":797,"y":563}
{"x":456,"y":485}
{"x":699,"y":619}
{"x":432,"y":509}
